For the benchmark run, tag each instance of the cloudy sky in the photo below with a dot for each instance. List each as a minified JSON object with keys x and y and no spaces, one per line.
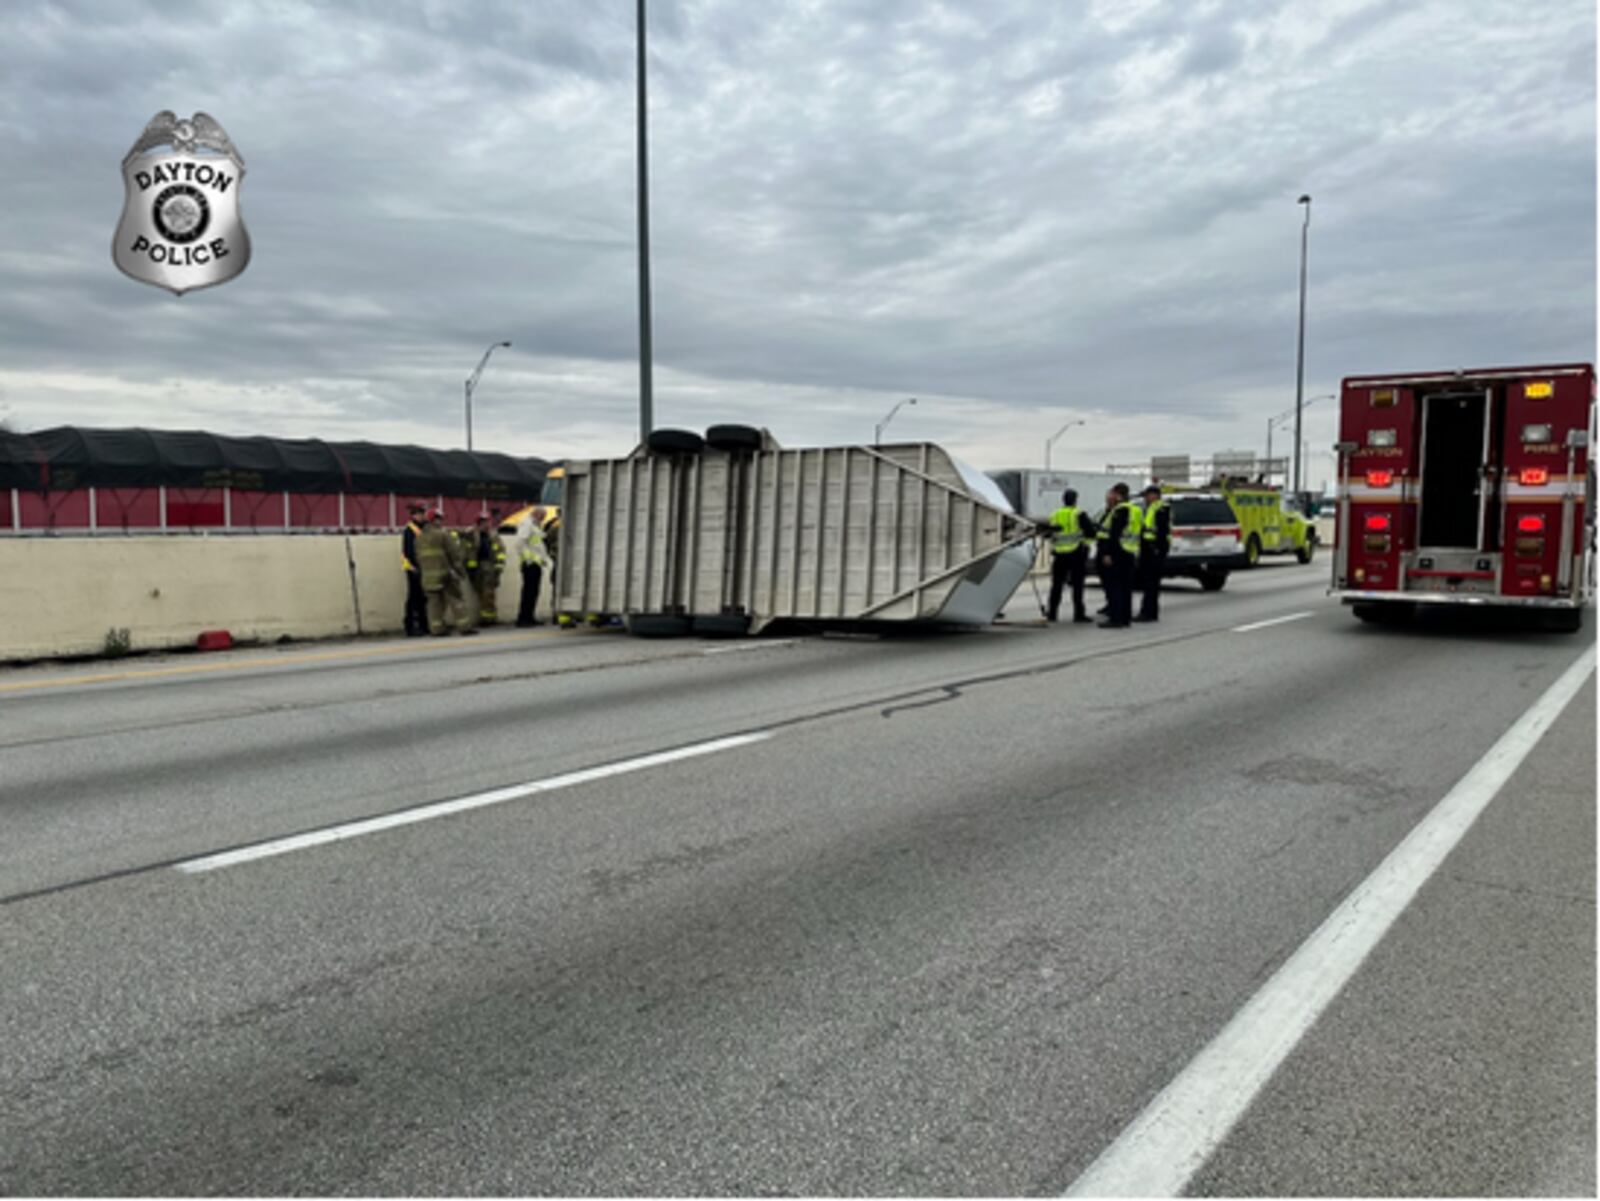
{"x":1021,"y":212}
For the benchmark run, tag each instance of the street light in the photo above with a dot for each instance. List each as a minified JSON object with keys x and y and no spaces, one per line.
{"x":877,"y":434}
{"x":641,"y":124}
{"x":472,"y":382}
{"x":1285,"y":415}
{"x":1300,"y":354}
{"x":1050,"y":441}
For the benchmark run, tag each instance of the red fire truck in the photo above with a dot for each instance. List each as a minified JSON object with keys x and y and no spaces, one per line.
{"x":1467,"y":488}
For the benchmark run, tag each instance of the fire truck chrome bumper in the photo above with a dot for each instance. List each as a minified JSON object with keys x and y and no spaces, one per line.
{"x":1482,"y":600}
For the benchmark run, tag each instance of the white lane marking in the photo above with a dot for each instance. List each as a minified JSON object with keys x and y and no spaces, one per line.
{"x":1271,"y":621}
{"x":422,"y":813}
{"x":746,"y":646}
{"x":1177,"y":1132}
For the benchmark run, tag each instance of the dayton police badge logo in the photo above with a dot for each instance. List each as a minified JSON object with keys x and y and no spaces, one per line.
{"x":181,"y":228}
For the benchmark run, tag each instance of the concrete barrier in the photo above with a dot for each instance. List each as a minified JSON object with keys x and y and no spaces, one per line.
{"x":61,"y":596}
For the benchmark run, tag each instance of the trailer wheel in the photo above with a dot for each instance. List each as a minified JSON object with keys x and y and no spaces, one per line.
{"x":675,"y":442}
{"x":1212,"y":581}
{"x":1252,"y":551}
{"x":733,"y":438}
{"x":1305,"y":552}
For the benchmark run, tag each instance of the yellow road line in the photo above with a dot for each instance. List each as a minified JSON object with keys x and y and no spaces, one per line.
{"x":289,"y":660}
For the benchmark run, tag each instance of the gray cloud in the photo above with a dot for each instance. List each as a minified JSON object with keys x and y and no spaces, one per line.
{"x":1011,"y":210}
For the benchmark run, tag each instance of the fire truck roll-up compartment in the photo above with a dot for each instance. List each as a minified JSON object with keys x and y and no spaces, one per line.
{"x":1467,"y":488}
{"x":729,"y":540}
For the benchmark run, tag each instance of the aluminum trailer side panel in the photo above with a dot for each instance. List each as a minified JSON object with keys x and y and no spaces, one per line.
{"x":827,"y":534}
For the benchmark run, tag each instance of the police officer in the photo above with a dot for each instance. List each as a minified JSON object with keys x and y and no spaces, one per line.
{"x":1155,"y":540}
{"x":1118,"y":551}
{"x":416,"y":618}
{"x":534,"y":558}
{"x":1069,"y":553}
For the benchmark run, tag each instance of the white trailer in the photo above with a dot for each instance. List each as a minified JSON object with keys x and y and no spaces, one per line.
{"x":732,"y":540}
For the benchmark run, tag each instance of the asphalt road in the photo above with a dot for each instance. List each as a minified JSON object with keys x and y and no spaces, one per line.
{"x":943,"y":916}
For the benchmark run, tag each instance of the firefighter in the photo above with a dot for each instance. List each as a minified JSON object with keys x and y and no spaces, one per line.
{"x":1155,"y":540}
{"x":491,"y":562}
{"x":455,"y":611}
{"x":466,"y":542}
{"x":433,"y":565}
{"x":534,"y":559}
{"x":416,"y":618}
{"x":1118,"y":549}
{"x":1073,"y":535}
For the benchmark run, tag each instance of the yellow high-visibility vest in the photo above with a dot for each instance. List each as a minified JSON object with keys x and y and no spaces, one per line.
{"x":1068,"y":537}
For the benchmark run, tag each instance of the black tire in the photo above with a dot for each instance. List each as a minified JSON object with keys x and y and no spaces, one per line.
{"x":1385,"y":612}
{"x":675,"y":442}
{"x":733,"y":438}
{"x":1564,"y":621}
{"x":1304,"y":554}
{"x":656,"y":625}
{"x":1252,"y":551}
{"x":1212,"y":581}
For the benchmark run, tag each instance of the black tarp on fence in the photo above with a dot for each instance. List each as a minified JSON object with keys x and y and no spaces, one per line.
{"x":76,"y":457}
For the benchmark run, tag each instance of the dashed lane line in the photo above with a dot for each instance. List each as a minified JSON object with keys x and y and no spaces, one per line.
{"x":428,"y":811}
{"x":1272,"y":621}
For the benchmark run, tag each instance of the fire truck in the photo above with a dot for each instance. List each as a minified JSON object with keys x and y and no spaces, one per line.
{"x":1467,"y":488}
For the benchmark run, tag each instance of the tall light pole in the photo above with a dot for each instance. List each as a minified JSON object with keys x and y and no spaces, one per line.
{"x":1285,"y":415}
{"x":877,"y":433}
{"x":472,"y":382}
{"x":1050,"y":441}
{"x":1300,"y":353}
{"x":646,"y":387}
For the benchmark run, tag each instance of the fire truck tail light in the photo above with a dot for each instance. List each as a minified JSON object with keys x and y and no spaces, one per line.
{"x":1536,"y":433}
{"x":1377,"y":522}
{"x":1534,"y":475}
{"x":1530,"y":525}
{"x":1530,"y":548}
{"x":1542,"y":389}
{"x":1380,"y":437}
{"x":1379,"y":479}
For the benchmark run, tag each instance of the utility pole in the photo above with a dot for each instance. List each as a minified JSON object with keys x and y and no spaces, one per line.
{"x":646,"y":387}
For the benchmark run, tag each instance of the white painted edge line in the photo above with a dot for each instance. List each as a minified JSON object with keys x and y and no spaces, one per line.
{"x":1271,"y":621}
{"x":1157,"y":1154}
{"x":422,"y":813}
{"x":747,"y":646}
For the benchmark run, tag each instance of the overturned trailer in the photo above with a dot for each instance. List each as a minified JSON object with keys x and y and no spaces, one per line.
{"x":734,"y":533}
